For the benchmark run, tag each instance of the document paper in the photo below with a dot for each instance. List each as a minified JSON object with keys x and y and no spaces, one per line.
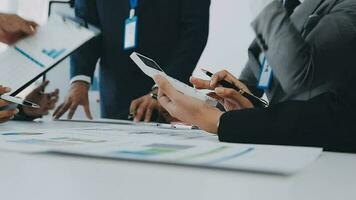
{"x":33,"y":55}
{"x":156,"y":145}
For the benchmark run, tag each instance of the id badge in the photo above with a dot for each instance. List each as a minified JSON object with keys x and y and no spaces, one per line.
{"x":130,"y":37}
{"x":266,"y":76}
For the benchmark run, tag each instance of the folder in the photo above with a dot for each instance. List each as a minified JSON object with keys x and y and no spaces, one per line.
{"x":28,"y":59}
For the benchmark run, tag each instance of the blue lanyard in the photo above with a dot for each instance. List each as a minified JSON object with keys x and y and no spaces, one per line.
{"x":133,"y":4}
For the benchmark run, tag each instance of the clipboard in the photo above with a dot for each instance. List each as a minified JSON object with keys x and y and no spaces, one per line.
{"x":30,"y":58}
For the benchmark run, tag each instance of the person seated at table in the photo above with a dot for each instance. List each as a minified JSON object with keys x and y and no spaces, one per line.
{"x":13,"y":28}
{"x":324,"y":121}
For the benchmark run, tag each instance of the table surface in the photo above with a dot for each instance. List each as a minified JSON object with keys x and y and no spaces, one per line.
{"x":45,"y":176}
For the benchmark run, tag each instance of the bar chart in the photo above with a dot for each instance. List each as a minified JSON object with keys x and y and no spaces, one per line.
{"x":53,"y":53}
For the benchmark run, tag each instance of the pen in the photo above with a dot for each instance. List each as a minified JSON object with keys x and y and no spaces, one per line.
{"x":18,"y":101}
{"x":254,"y":99}
{"x":176,"y":126}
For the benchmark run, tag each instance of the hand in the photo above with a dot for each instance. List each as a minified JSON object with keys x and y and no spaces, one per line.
{"x":46,"y":101}
{"x":229,"y":98}
{"x":78,"y":95}
{"x":185,"y":108}
{"x":165,"y":117}
{"x":6,"y":115}
{"x":13,"y":28}
{"x":143,"y":107}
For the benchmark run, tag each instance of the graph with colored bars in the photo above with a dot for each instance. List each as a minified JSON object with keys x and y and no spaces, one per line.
{"x":53,"y":53}
{"x":154,"y":150}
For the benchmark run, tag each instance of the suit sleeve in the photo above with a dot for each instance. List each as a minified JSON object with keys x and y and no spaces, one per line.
{"x":315,"y":123}
{"x":297,"y":62}
{"x":84,"y":60}
{"x":194,"y":33}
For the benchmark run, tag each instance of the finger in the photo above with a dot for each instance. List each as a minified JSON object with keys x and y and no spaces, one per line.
{"x":4,"y":90}
{"x":228,"y":93}
{"x":52,"y":103}
{"x":166,"y":87}
{"x":87,"y":111}
{"x":72,"y":110}
{"x":200,"y":83}
{"x":41,"y":87}
{"x":217,"y":77}
{"x":57,"y":110}
{"x":215,"y":96}
{"x":33,"y":26}
{"x":148,"y":114}
{"x":164,"y":101}
{"x":140,"y":112}
{"x":55,"y":93}
{"x":134,"y":105}
{"x":234,"y":95}
{"x":4,"y":103}
{"x":27,"y":27}
{"x":2,"y":120}
{"x":63,"y":110}
{"x":54,"y":96}
{"x":8,"y":114}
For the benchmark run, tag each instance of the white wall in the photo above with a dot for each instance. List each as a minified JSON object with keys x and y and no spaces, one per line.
{"x":230,"y":36}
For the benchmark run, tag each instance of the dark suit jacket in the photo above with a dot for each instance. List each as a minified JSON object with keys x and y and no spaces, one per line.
{"x":309,"y":52}
{"x":173,"y":32}
{"x":327,"y":120}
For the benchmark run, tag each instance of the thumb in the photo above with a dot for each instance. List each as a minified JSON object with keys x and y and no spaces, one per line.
{"x":4,"y":90}
{"x":28,"y":27}
{"x":42,"y":87}
{"x":165,"y":86}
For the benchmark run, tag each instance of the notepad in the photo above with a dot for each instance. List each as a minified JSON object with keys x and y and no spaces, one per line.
{"x":28,"y":59}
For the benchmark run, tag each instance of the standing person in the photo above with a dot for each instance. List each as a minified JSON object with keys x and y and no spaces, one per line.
{"x":13,"y":28}
{"x":173,"y":32}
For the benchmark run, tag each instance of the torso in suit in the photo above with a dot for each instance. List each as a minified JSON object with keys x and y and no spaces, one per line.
{"x":327,"y":120}
{"x":309,"y":51}
{"x":173,"y":32}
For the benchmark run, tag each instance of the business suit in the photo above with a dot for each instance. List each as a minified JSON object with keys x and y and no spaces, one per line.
{"x":173,"y":32}
{"x":302,"y":49}
{"x":325,"y":120}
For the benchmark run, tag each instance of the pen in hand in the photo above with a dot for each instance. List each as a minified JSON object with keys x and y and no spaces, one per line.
{"x":251,"y":97}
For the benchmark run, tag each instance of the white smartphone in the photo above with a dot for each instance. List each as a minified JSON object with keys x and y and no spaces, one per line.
{"x":151,"y":68}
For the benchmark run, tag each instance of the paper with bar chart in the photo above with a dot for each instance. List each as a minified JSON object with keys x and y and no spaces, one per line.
{"x":257,"y":158}
{"x":30,"y":57}
{"x":148,"y":143}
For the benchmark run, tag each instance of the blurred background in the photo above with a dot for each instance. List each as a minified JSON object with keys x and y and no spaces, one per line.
{"x":230,"y":36}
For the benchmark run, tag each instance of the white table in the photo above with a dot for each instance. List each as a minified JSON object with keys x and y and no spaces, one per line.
{"x":52,"y":177}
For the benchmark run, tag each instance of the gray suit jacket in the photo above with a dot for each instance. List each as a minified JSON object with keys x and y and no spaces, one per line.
{"x":309,"y":52}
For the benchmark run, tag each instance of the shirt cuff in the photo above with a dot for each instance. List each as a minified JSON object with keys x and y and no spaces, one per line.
{"x":83,"y":78}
